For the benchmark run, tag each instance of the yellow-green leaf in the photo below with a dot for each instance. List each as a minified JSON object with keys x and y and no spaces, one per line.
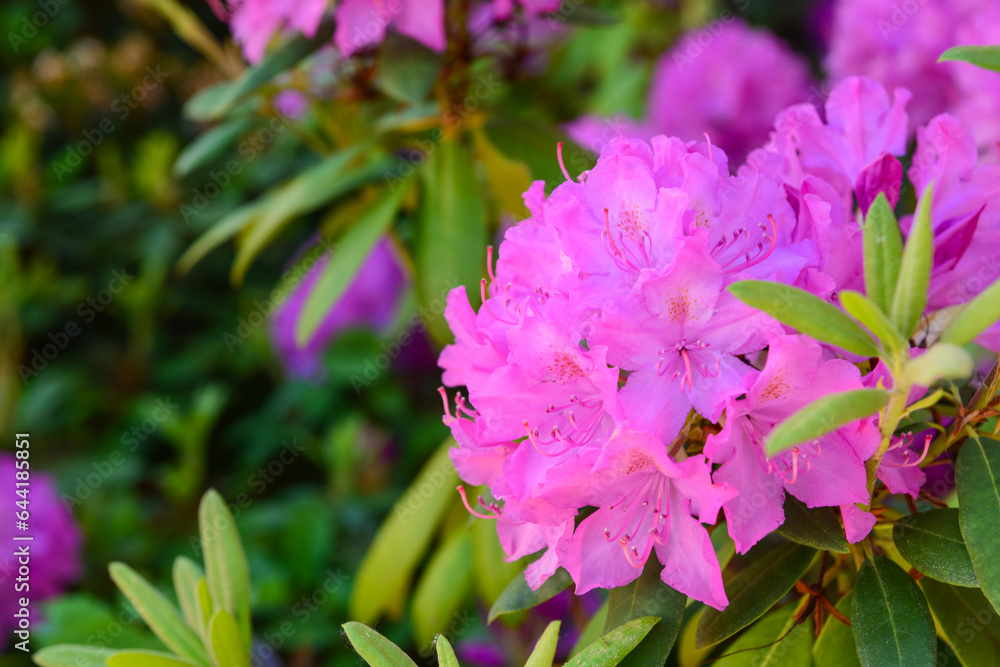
{"x":226,"y":643}
{"x":883,"y":252}
{"x":445,"y":653}
{"x":869,"y":314}
{"x":977,"y":316}
{"x":987,"y":57}
{"x":824,"y":415}
{"x":545,"y":650}
{"x":146,"y":659}
{"x":376,"y":650}
{"x":72,"y":655}
{"x":612,"y":647}
{"x":442,"y":589}
{"x":187,"y":575}
{"x":910,"y":297}
{"x":226,"y":568}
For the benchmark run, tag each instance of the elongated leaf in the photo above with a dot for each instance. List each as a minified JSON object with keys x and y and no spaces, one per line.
{"x":824,"y":415}
{"x":883,"y":253}
{"x":145,"y":659}
{"x":835,"y":645}
{"x":977,"y":316}
{"x":352,"y":250}
{"x":910,"y":298}
{"x":943,"y":360}
{"x":611,"y":648}
{"x":688,"y":653}
{"x":383,"y":576}
{"x":931,"y":541}
{"x":987,"y":57}
{"x":977,"y":473}
{"x":965,"y":620}
{"x":205,"y":606}
{"x":211,"y":144}
{"x":648,"y":596}
{"x":159,"y":614}
{"x":818,"y":528}
{"x":227,"y":645}
{"x":407,"y":70}
{"x":892,"y":624}
{"x":807,"y":313}
{"x":72,"y":655}
{"x":226,"y":228}
{"x":724,"y":546}
{"x":535,"y":146}
{"x":592,"y":631}
{"x":443,"y":587}
{"x":755,"y":590}
{"x":374,"y":648}
{"x":226,"y":568}
{"x":445,"y":653}
{"x":187,"y":576}
{"x":493,"y":573}
{"x":777,"y":639}
{"x":518,"y":596}
{"x":545,"y":650}
{"x":869,"y":314}
{"x":452,"y":242}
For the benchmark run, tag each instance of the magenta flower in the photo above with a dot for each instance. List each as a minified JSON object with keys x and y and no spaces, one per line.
{"x":255,"y":22}
{"x":363,"y":23}
{"x":55,"y":549}
{"x":371,"y":300}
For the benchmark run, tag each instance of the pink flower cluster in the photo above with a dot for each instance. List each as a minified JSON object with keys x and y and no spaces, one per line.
{"x":619,"y":396}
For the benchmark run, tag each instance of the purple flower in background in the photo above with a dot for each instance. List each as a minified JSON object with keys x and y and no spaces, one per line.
{"x":898,"y":44}
{"x":362,"y":23}
{"x":727,"y":79}
{"x":371,"y":300}
{"x":291,"y":103}
{"x":55,"y":549}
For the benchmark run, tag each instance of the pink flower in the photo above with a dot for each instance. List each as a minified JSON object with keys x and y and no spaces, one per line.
{"x":363,"y":23}
{"x":255,"y":22}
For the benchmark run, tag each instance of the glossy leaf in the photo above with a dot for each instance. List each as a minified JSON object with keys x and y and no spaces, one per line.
{"x":977,"y":474}
{"x":210,"y":145}
{"x":545,"y":650}
{"x":72,"y":655}
{"x":807,"y":313}
{"x":226,"y":568}
{"x":943,"y":360}
{"x":145,"y":659}
{"x":442,"y":589}
{"x":868,"y":313}
{"x":932,"y":542}
{"x":518,"y":596}
{"x":374,"y":648}
{"x":227,"y":645}
{"x":451,"y":249}
{"x":987,"y":57}
{"x":352,"y":250}
{"x":891,"y":622}
{"x":835,"y":645}
{"x":159,"y":614}
{"x":965,"y":620}
{"x":384,"y":574}
{"x":779,"y":642}
{"x":824,"y":415}
{"x":648,"y":596}
{"x":612,"y":647}
{"x":445,"y":653}
{"x":977,"y":316}
{"x":910,"y":297}
{"x":817,"y":527}
{"x":883,"y":250}
{"x":755,"y":590}
{"x":187,"y":576}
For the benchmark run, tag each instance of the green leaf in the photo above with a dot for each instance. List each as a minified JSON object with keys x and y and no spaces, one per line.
{"x":145,"y":659}
{"x":910,"y":298}
{"x":229,"y":226}
{"x":966,"y":622}
{"x":869,"y":314}
{"x":535,"y":146}
{"x":187,"y":577}
{"x":724,"y":546}
{"x":778,"y":640}
{"x":383,"y":576}
{"x":226,"y":568}
{"x":987,"y":57}
{"x":931,"y":541}
{"x":818,"y":527}
{"x":835,"y":645}
{"x":159,"y":614}
{"x":755,"y":590}
{"x":227,"y":645}
{"x":648,"y":596}
{"x":978,"y":315}
{"x":72,"y":655}
{"x":407,"y":70}
{"x":210,"y":145}
{"x":451,"y":248}
{"x":807,"y":313}
{"x":592,"y":631}
{"x":352,"y":250}
{"x":611,"y":648}
{"x":977,"y":474}
{"x":443,"y":587}
{"x":493,"y":574}
{"x":883,"y":253}
{"x":943,"y":360}
{"x":892,"y":624}
{"x":445,"y":653}
{"x":688,"y":653}
{"x":518,"y":596}
{"x":545,"y":650}
{"x":824,"y":415}
{"x":374,"y":648}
